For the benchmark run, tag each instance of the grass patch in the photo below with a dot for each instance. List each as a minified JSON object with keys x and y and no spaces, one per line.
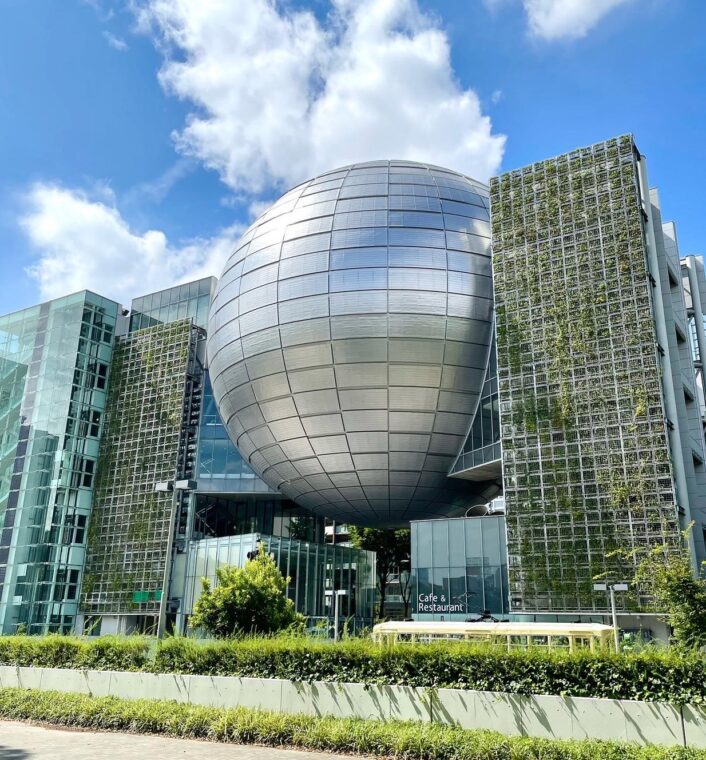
{"x":397,"y":739}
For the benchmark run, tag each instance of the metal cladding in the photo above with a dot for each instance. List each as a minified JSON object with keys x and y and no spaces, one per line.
{"x":349,"y":336}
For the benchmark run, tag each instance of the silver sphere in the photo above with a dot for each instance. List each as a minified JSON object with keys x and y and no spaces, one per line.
{"x":349,"y":336}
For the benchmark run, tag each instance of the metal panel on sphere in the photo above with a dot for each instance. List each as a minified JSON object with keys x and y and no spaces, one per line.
{"x":349,"y":337}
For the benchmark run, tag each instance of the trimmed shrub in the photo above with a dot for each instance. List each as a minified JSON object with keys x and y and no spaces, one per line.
{"x":397,"y":739}
{"x":649,"y":675}
{"x":55,"y":651}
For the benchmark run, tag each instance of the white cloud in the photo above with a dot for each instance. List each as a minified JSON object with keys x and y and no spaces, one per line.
{"x":280,"y":95}
{"x":117,"y":43}
{"x":84,"y":242}
{"x":104,"y":14}
{"x":156,"y":190}
{"x":555,"y":19}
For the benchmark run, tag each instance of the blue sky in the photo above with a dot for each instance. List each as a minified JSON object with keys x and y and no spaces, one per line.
{"x":138,"y":139}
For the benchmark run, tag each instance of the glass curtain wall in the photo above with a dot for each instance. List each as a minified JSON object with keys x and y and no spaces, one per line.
{"x":217,"y":515}
{"x":313,"y":569}
{"x":220,"y":466}
{"x":482,"y":445}
{"x":181,"y":302}
{"x":54,"y":364}
{"x":459,"y":568}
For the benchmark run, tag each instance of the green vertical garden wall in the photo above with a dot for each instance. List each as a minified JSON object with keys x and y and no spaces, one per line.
{"x":586,"y":459}
{"x":128,"y":534}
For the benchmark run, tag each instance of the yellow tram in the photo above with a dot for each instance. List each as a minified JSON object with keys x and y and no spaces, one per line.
{"x":569,"y":636}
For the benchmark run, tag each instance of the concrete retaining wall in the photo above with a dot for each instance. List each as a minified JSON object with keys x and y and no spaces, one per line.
{"x":541,"y":716}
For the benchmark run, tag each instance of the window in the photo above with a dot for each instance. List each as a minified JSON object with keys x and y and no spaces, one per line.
{"x":98,"y":374}
{"x":66,"y":585}
{"x":101,"y":375}
{"x":72,"y":587}
{"x":83,"y":474}
{"x":74,"y":529}
{"x":89,"y":426}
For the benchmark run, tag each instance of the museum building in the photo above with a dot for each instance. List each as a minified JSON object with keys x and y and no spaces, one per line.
{"x":524,"y":387}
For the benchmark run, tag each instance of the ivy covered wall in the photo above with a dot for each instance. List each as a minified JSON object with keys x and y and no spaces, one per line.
{"x":128,"y":532}
{"x":585,"y":451}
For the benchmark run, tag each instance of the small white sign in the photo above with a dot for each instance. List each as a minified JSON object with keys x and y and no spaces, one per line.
{"x":437,"y":603}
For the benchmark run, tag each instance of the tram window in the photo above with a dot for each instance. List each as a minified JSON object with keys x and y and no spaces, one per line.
{"x":539,"y":641}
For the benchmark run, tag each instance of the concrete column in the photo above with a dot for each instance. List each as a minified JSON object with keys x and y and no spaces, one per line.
{"x":691,"y":266}
{"x":668,"y":390}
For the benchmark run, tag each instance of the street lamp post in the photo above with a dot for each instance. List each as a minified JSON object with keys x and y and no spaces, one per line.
{"x":405,"y":579}
{"x":336,"y":594}
{"x":612,"y":587}
{"x":175,"y":487}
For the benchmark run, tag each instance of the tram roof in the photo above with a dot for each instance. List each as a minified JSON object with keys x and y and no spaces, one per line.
{"x":499,"y":629}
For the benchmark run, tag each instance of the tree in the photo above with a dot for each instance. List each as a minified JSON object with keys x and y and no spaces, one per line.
{"x":406,"y":585}
{"x":250,"y":599}
{"x":392,"y":548}
{"x":667,"y":575}
{"x":301,"y":528}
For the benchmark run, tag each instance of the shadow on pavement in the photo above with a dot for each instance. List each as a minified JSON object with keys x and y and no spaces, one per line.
{"x":9,"y":753}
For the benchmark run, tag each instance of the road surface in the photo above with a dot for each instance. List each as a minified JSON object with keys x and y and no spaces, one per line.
{"x":21,"y":741}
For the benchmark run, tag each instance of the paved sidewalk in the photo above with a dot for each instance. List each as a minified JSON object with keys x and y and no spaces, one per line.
{"x":21,"y":741}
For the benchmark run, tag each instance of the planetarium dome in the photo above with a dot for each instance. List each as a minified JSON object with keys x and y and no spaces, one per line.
{"x":349,"y":336}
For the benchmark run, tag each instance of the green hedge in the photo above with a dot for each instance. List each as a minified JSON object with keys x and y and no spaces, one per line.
{"x":101,"y":653}
{"x":650,"y":675}
{"x":397,"y":739}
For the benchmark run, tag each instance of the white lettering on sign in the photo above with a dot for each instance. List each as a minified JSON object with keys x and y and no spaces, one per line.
{"x":437,"y":603}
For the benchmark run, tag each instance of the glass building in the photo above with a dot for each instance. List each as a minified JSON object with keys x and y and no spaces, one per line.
{"x":459,"y":568}
{"x":191,"y":300}
{"x":313,"y":569}
{"x":163,"y":426}
{"x":220,"y":463}
{"x":220,"y":468}
{"x":373,"y":362}
{"x":54,"y":366}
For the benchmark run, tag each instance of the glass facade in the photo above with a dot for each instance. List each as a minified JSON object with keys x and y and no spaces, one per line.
{"x":586,"y":455}
{"x":220,"y":466}
{"x":147,"y":440}
{"x":54,"y":366}
{"x":481,"y":449}
{"x":313,"y":568}
{"x":173,"y":304}
{"x":459,"y":568}
{"x":217,"y":515}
